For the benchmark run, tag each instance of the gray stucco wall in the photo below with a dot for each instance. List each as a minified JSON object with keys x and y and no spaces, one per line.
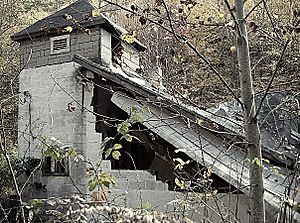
{"x":37,"y":51}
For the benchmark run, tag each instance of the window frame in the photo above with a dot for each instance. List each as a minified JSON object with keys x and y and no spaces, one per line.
{"x":56,"y":38}
{"x":57,"y":165}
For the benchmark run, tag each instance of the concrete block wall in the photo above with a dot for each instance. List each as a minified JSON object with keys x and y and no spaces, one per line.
{"x":134,"y":179}
{"x":135,"y":188}
{"x":182,"y":204}
{"x":93,"y":138}
{"x":48,"y":85}
{"x":44,"y":111}
{"x":37,"y":51}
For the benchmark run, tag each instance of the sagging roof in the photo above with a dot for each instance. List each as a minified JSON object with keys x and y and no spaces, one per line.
{"x":278,"y":145}
{"x":80,"y":13}
{"x":202,"y":135}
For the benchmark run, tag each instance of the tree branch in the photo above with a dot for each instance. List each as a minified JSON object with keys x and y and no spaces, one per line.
{"x":233,"y":17}
{"x":271,"y":20}
{"x":191,"y":46}
{"x":272,"y":78}
{"x":253,"y":8}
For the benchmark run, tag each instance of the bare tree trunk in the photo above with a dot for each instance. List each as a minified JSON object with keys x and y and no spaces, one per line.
{"x":257,"y":212}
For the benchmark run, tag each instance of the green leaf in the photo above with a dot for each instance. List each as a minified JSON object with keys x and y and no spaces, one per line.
{"x":108,"y":152}
{"x":265,"y":160}
{"x":277,"y":171}
{"x":35,"y":202}
{"x":91,"y":185}
{"x":106,"y":183}
{"x":130,"y":39}
{"x":90,"y":172}
{"x":145,"y":108}
{"x":179,"y":167}
{"x":181,"y":162}
{"x":117,"y":146}
{"x":179,"y":183}
{"x":113,"y":150}
{"x":70,"y":152}
{"x":123,"y":127}
{"x":296,"y":207}
{"x":146,"y":205}
{"x":128,"y":138}
{"x":113,"y":180}
{"x":56,"y":155}
{"x":134,"y":109}
{"x":69,"y":29}
{"x":106,"y":179}
{"x":116,"y":155}
{"x":256,"y":161}
{"x":95,"y":13}
{"x":137,"y":117}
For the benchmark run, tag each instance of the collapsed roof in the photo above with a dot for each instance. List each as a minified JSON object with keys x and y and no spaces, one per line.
{"x":212,"y":137}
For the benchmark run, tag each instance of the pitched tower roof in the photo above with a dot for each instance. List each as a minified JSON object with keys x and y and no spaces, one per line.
{"x":77,"y":10}
{"x":78,"y":14}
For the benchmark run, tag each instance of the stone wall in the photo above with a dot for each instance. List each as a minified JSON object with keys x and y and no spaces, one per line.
{"x":37,"y":52}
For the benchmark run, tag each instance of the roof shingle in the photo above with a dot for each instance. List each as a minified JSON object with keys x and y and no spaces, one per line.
{"x":80,"y":14}
{"x":77,"y":10}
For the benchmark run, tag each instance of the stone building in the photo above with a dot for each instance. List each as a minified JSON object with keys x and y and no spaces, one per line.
{"x":80,"y":79}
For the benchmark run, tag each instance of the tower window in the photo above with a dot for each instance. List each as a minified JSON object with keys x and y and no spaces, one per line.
{"x":60,"y":44}
{"x":56,"y":167}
